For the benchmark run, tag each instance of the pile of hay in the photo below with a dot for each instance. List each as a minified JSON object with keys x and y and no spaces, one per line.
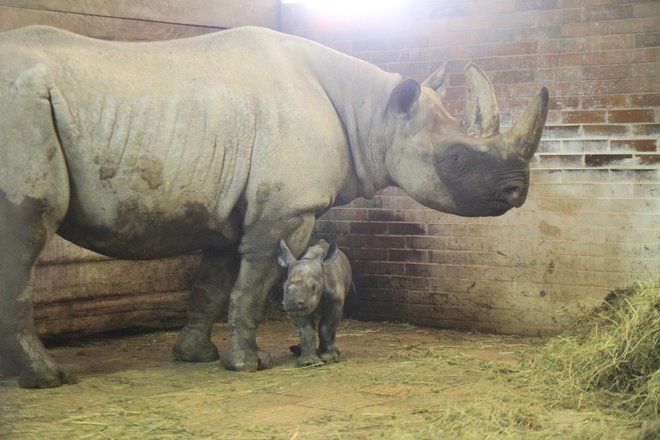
{"x":613,"y":352}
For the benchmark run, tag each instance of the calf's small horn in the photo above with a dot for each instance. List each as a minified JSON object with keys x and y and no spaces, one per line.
{"x":525,"y":134}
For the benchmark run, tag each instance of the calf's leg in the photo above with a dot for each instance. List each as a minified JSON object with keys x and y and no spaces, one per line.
{"x":306,"y":329}
{"x":328,"y":329}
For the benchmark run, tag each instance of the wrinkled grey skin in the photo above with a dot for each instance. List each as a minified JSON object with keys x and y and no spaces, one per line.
{"x":224,"y":143}
{"x":319,"y":282}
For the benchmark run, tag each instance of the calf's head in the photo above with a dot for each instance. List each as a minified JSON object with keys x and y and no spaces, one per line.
{"x":469,"y":168}
{"x":304,"y":282}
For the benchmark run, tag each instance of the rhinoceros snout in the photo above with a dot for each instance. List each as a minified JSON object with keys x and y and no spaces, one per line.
{"x":513,"y":195}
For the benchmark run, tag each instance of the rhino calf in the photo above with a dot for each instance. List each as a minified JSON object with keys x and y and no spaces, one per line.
{"x":319,"y":280}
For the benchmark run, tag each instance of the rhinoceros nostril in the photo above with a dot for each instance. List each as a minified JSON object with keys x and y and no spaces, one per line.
{"x":513,"y":195}
{"x":300,"y":305}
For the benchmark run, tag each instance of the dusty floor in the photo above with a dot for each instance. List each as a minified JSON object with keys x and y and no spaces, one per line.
{"x":395,"y":381}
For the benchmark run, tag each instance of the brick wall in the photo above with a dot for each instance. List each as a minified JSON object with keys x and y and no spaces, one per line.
{"x":591,"y":222}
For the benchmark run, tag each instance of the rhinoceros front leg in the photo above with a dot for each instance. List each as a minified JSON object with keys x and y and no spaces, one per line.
{"x":259,"y":271}
{"x":208,"y":299}
{"x":307,"y":355}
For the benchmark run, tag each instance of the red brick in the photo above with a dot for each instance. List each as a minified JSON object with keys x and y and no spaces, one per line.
{"x":549,"y":147}
{"x":646,"y":100}
{"x":512,"y":76}
{"x":368,"y":254}
{"x":604,"y":130}
{"x":648,"y":159}
{"x":384,"y":215}
{"x":561,"y":132}
{"x":636,"y":115}
{"x":530,"y":5}
{"x":406,"y":229}
{"x":650,"y":39}
{"x":583,"y":116}
{"x":648,"y":145}
{"x":634,"y":175}
{"x":408,"y":255}
{"x":385,"y":268}
{"x":600,"y":72}
{"x":584,"y":146}
{"x":560,"y":161}
{"x":646,"y":129}
{"x":608,"y":12}
{"x":601,"y":160}
{"x":625,"y":26}
{"x":516,"y":48}
{"x":564,"y":102}
{"x":368,"y":228}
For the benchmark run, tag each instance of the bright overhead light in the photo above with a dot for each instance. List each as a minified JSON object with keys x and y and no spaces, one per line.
{"x":336,"y":8}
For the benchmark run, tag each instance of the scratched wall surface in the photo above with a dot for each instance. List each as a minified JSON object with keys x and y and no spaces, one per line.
{"x":591,"y":222}
{"x":80,"y":292}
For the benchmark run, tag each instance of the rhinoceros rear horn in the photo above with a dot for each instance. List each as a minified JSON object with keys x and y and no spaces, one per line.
{"x":437,"y":80}
{"x":482,"y":118}
{"x":525,"y":134}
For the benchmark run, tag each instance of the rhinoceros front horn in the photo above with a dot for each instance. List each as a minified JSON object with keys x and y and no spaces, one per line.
{"x":525,"y":134}
{"x":482,"y":118}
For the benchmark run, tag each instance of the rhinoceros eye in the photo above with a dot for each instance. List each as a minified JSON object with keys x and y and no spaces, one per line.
{"x":455,"y":157}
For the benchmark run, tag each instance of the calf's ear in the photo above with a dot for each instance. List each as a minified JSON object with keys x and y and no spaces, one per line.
{"x":404,"y":97}
{"x":284,"y":257}
{"x":331,"y":255}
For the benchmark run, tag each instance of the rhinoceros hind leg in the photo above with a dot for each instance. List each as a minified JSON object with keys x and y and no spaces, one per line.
{"x":207,"y":303}
{"x":25,"y":227}
{"x":34,"y":198}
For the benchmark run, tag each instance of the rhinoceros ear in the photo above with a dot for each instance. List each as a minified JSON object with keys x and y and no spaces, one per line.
{"x":482,"y":118}
{"x":437,"y":81}
{"x":404,"y":97}
{"x":284,"y":257}
{"x":331,"y":255}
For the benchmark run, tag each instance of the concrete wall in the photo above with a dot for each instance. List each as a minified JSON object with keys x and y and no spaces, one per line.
{"x":591,"y":222}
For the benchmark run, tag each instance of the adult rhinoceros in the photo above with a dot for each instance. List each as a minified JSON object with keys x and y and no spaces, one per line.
{"x":226,"y":143}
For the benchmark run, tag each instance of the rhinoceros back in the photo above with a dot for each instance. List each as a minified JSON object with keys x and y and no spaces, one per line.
{"x":155,"y":144}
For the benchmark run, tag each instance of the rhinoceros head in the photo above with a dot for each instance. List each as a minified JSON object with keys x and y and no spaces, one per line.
{"x":466,"y":168}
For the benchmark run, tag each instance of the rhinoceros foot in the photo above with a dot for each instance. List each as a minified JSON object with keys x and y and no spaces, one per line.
{"x":39,"y":374}
{"x":331,"y":354}
{"x":295,"y":349}
{"x":246,"y":360}
{"x":194,"y":347}
{"x":309,"y":360}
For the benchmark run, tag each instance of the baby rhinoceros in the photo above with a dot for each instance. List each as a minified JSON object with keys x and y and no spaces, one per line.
{"x":320,"y":279}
